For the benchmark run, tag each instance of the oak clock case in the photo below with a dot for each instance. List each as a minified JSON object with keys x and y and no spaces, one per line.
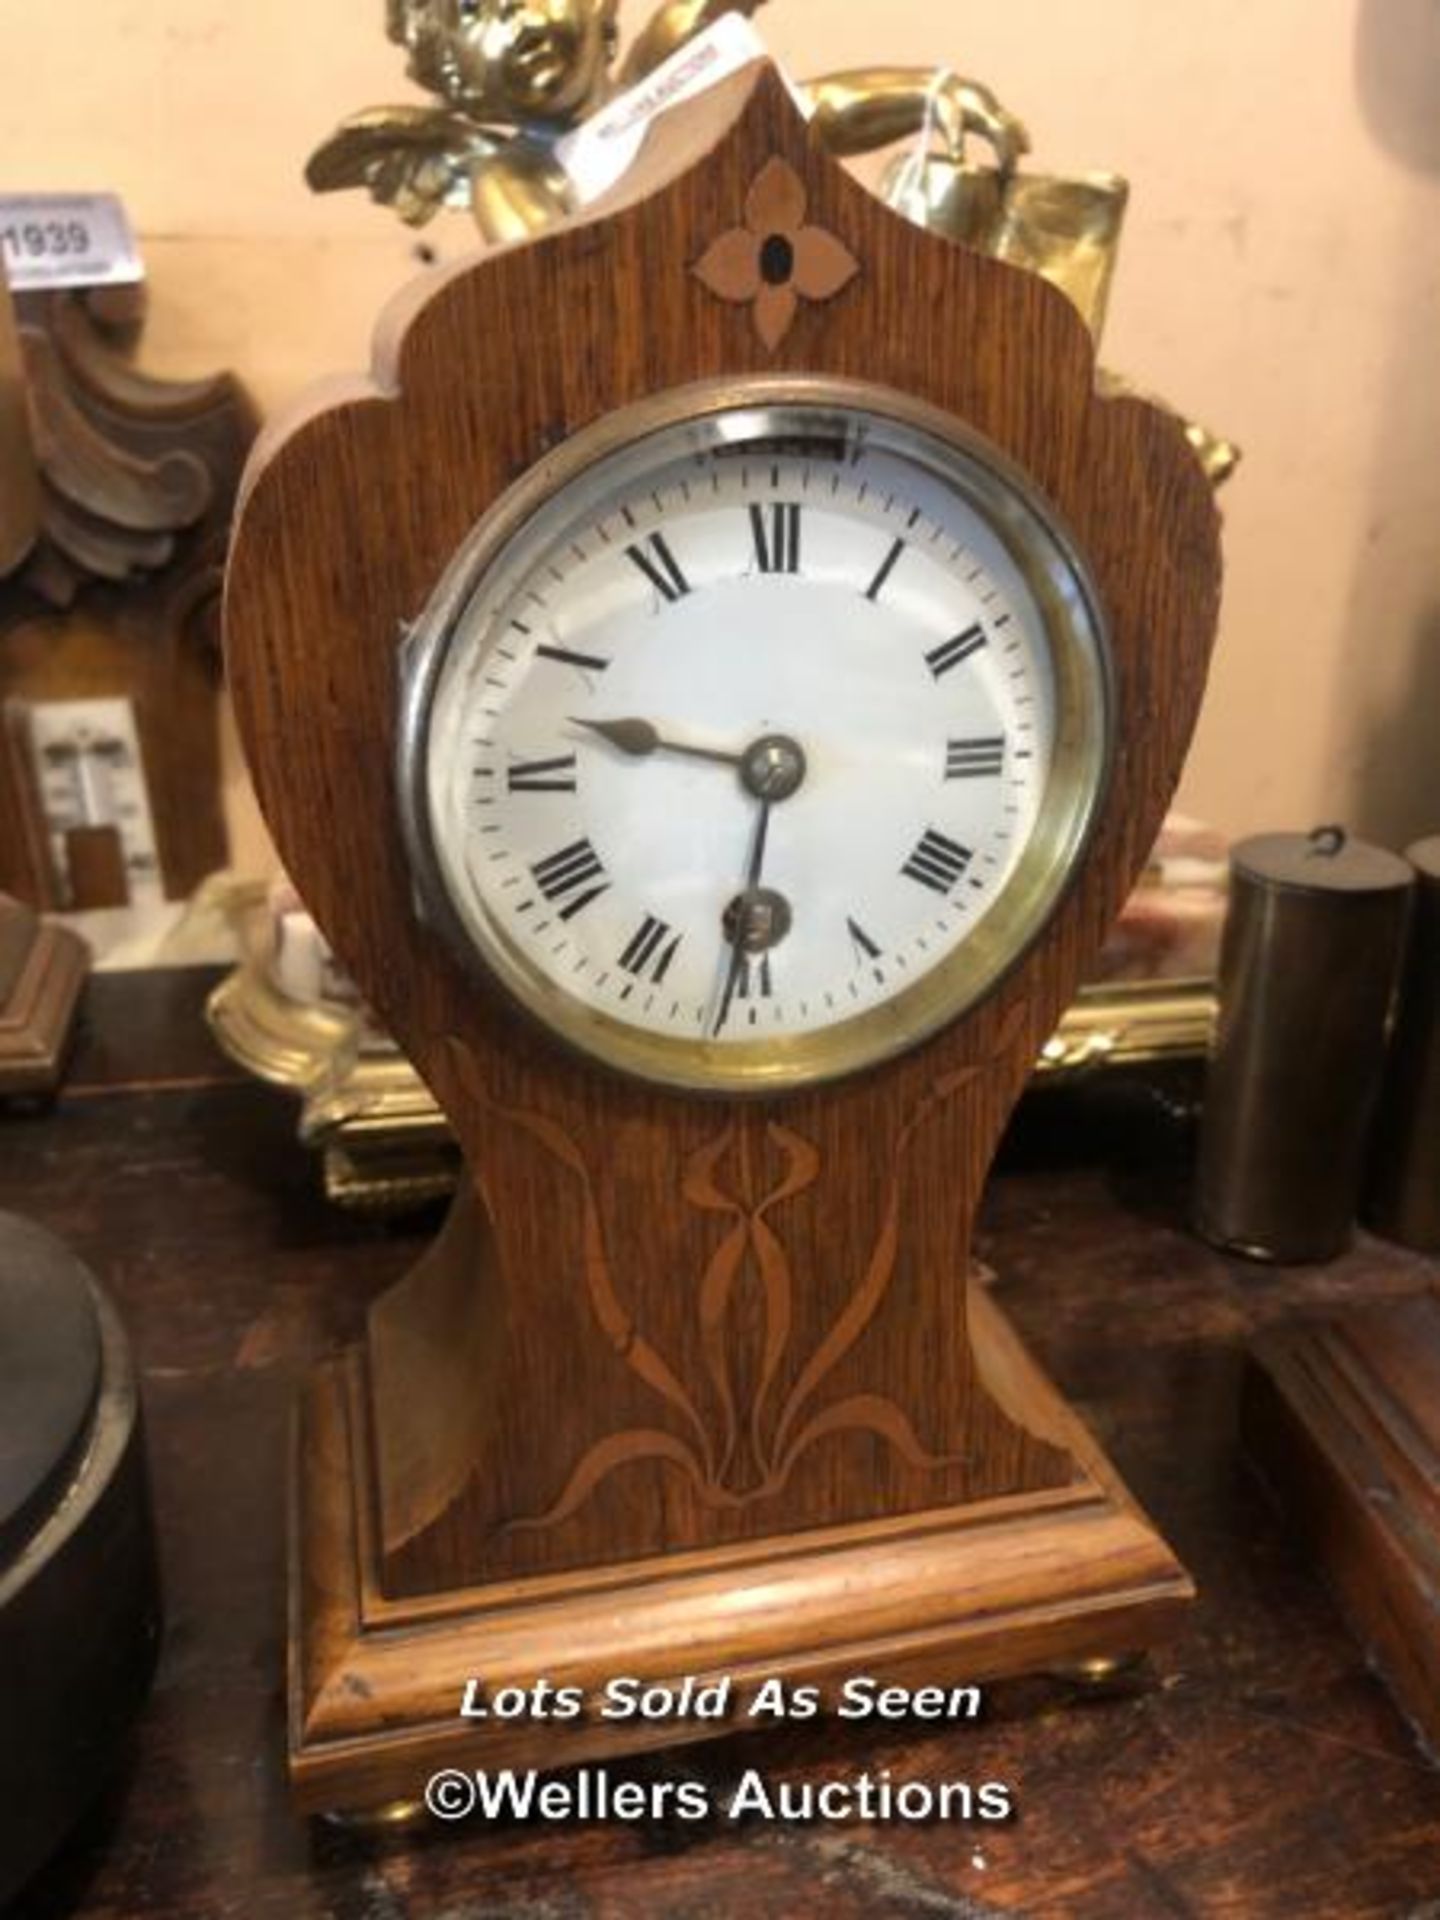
{"x":881,"y":671}
{"x":691,"y":1382}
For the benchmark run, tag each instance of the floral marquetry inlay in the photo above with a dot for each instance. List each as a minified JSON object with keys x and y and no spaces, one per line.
{"x":748,"y":1451}
{"x":774,"y":259}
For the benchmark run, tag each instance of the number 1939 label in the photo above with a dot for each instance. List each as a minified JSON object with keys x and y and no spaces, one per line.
{"x":66,"y":240}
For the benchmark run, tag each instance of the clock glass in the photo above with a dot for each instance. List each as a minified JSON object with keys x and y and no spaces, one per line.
{"x":754,"y":736}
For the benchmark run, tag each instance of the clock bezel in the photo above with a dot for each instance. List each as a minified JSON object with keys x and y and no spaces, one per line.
{"x":1060,"y":581}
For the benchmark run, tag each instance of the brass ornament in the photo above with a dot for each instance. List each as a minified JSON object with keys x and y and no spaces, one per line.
{"x":1066,"y":230}
{"x":511,"y":80}
{"x":385,"y":1146}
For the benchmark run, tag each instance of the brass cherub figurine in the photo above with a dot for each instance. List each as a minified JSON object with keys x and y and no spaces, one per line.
{"x":514,"y":76}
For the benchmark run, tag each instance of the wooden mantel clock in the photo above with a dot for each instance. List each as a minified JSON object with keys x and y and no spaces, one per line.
{"x":715,"y":689}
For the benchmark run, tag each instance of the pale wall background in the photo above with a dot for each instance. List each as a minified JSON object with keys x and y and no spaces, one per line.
{"x":1280,"y":279}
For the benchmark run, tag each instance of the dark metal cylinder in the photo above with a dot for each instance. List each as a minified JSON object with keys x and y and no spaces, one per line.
{"x":1307,"y":974}
{"x":79,"y":1602}
{"x":1402,"y":1198}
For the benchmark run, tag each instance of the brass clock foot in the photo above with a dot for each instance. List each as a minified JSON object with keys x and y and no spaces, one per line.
{"x":389,"y":1816}
{"x":1107,"y":1673}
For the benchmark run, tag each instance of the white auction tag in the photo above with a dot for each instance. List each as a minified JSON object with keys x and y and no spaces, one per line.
{"x":598,"y":153}
{"x":67,"y":240}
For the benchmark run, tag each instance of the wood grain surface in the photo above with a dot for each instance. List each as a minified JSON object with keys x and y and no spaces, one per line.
{"x":1258,"y":1771}
{"x":42,"y":974}
{"x":1021,"y":1583}
{"x":1342,"y":1422}
{"x":607,"y":1427}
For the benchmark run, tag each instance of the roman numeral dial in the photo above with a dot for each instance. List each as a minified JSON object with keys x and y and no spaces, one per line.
{"x":746,"y":740}
{"x":660,"y":567}
{"x":570,"y":657}
{"x":978,"y":759}
{"x":938,"y":861}
{"x":775,"y":531}
{"x":571,"y":878}
{"x":542,"y":776}
{"x":955,"y":651}
{"x":651,"y":951}
{"x":886,"y":568}
{"x":757,"y":979}
{"x":865,"y":947}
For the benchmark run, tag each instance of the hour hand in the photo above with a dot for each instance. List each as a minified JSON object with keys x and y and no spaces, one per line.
{"x":640,"y":738}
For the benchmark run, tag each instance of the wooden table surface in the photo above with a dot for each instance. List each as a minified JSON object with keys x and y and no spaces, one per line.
{"x":1257,"y":1769}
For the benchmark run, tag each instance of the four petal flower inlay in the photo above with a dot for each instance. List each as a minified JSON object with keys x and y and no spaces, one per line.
{"x":775,"y":259}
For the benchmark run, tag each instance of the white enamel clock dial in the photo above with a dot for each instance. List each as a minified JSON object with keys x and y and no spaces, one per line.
{"x":757,"y":747}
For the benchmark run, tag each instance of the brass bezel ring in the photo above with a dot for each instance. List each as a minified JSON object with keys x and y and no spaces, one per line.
{"x":693,"y":418}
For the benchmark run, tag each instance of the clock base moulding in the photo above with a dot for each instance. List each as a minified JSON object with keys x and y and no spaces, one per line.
{"x":1024,"y":1583}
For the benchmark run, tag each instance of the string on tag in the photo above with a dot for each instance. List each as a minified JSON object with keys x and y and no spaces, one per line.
{"x":910,"y":175}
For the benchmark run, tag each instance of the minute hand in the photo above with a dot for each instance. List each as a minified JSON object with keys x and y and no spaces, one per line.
{"x":739,"y":956}
{"x":639,"y":738}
